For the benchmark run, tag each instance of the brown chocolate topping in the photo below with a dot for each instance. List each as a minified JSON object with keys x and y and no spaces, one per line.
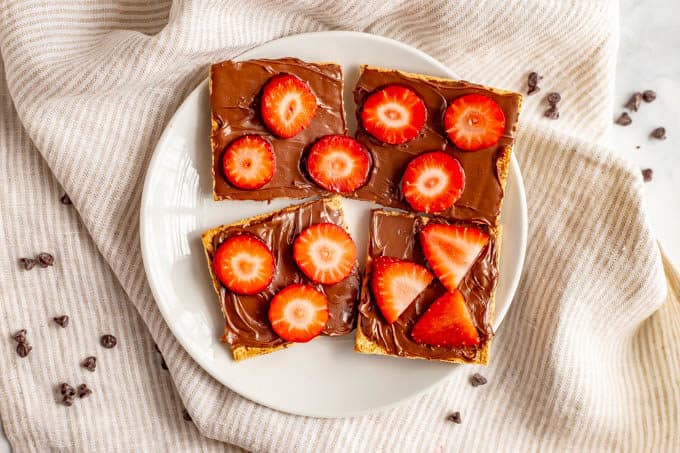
{"x":396,"y":236}
{"x":246,"y":317}
{"x":481,"y":199}
{"x":234,"y":96}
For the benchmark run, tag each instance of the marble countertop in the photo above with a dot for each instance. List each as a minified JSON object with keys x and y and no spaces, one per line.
{"x":648,"y":59}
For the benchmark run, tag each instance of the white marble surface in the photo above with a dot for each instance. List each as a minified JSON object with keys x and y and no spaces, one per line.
{"x":649,"y":58}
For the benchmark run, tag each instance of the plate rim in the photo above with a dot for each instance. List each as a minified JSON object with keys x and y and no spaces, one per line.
{"x":144,"y":242}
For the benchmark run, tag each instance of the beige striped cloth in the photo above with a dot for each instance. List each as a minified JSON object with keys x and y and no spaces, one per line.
{"x":587,"y":359}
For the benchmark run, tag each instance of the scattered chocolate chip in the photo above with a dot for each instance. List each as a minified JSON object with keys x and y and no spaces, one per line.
{"x":659,"y":133}
{"x":163,"y":364}
{"x":532,"y":83}
{"x":455,"y":418}
{"x":90,"y":363}
{"x":65,"y":199}
{"x":67,"y":401}
{"x":20,"y":336}
{"x":62,"y":321}
{"x":83,"y":391}
{"x":185,"y":415}
{"x":28,"y":263}
{"x":554,"y":98}
{"x":477,"y":379}
{"x":649,"y":95}
{"x":552,"y":113}
{"x":108,"y":341}
{"x":66,"y":390}
{"x":23,"y":349}
{"x":647,"y":174}
{"x":634,"y":102}
{"x":45,"y":259}
{"x":637,"y":146}
{"x":624,"y":119}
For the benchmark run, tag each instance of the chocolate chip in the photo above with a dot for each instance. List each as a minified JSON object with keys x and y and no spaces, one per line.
{"x":533,"y":90}
{"x":67,"y":401}
{"x":108,"y":341}
{"x":23,"y":349}
{"x":163,"y":364}
{"x":634,"y":102}
{"x":552,"y":113}
{"x":659,"y":133}
{"x":554,"y":98}
{"x":65,"y":199}
{"x":185,"y":415}
{"x":66,"y":390}
{"x":20,"y":336}
{"x":649,"y":95}
{"x":45,"y":259}
{"x":624,"y":119}
{"x":83,"y":391}
{"x":28,"y":263}
{"x":637,"y":146}
{"x":532,"y":83}
{"x":62,"y":321}
{"x":454,"y":417}
{"x":90,"y":363}
{"x":647,"y":174}
{"x":477,"y":380}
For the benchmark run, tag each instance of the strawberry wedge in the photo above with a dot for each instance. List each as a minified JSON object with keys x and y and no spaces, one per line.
{"x":447,"y":323}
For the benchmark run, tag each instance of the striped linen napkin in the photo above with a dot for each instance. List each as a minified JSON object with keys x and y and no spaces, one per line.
{"x":587,"y":358}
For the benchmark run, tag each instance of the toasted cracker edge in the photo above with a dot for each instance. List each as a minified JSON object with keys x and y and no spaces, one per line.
{"x":245,"y":352}
{"x":365,"y":345}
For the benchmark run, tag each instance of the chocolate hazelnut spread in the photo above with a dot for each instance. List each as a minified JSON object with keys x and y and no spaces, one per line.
{"x":396,"y":235}
{"x":234,"y":97}
{"x":246,"y":317}
{"x":483,"y":194}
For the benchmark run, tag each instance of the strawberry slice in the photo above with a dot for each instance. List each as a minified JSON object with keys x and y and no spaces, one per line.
{"x":298,"y":313}
{"x":394,"y":114}
{"x":433,"y":182}
{"x":451,"y":250}
{"x":325,"y":253}
{"x":339,"y":163}
{"x":396,"y":283}
{"x":287,"y":105}
{"x":447,"y":323}
{"x":244,"y":264}
{"x":474,"y":122}
{"x":249,"y":162}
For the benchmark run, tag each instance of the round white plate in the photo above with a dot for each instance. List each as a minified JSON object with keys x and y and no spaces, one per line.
{"x":323,"y":378}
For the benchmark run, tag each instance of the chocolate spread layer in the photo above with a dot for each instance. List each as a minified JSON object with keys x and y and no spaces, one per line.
{"x":396,"y":236}
{"x":235,"y":89}
{"x":247,"y":322}
{"x":483,"y":194}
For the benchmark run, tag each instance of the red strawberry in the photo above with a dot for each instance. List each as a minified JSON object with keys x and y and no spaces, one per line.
{"x":396,"y":283}
{"x":394,"y":114}
{"x":474,"y":122}
{"x":325,"y":253}
{"x":447,"y":323}
{"x":451,"y":250}
{"x":287,"y":105}
{"x":298,"y":313}
{"x":244,"y":264}
{"x":249,"y":162}
{"x":339,"y":163}
{"x":433,"y":182}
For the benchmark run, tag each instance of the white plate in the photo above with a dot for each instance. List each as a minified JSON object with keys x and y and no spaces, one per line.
{"x":323,"y":378}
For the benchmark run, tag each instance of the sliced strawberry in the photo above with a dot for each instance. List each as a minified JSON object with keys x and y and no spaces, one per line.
{"x":396,"y":283}
{"x":474,"y":122}
{"x":325,"y":253}
{"x":433,"y":182}
{"x":339,"y":163}
{"x":394,"y":114}
{"x":447,"y":323}
{"x":249,"y":162}
{"x":244,"y":264}
{"x":298,"y":313}
{"x":451,"y":250}
{"x":287,"y":105}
